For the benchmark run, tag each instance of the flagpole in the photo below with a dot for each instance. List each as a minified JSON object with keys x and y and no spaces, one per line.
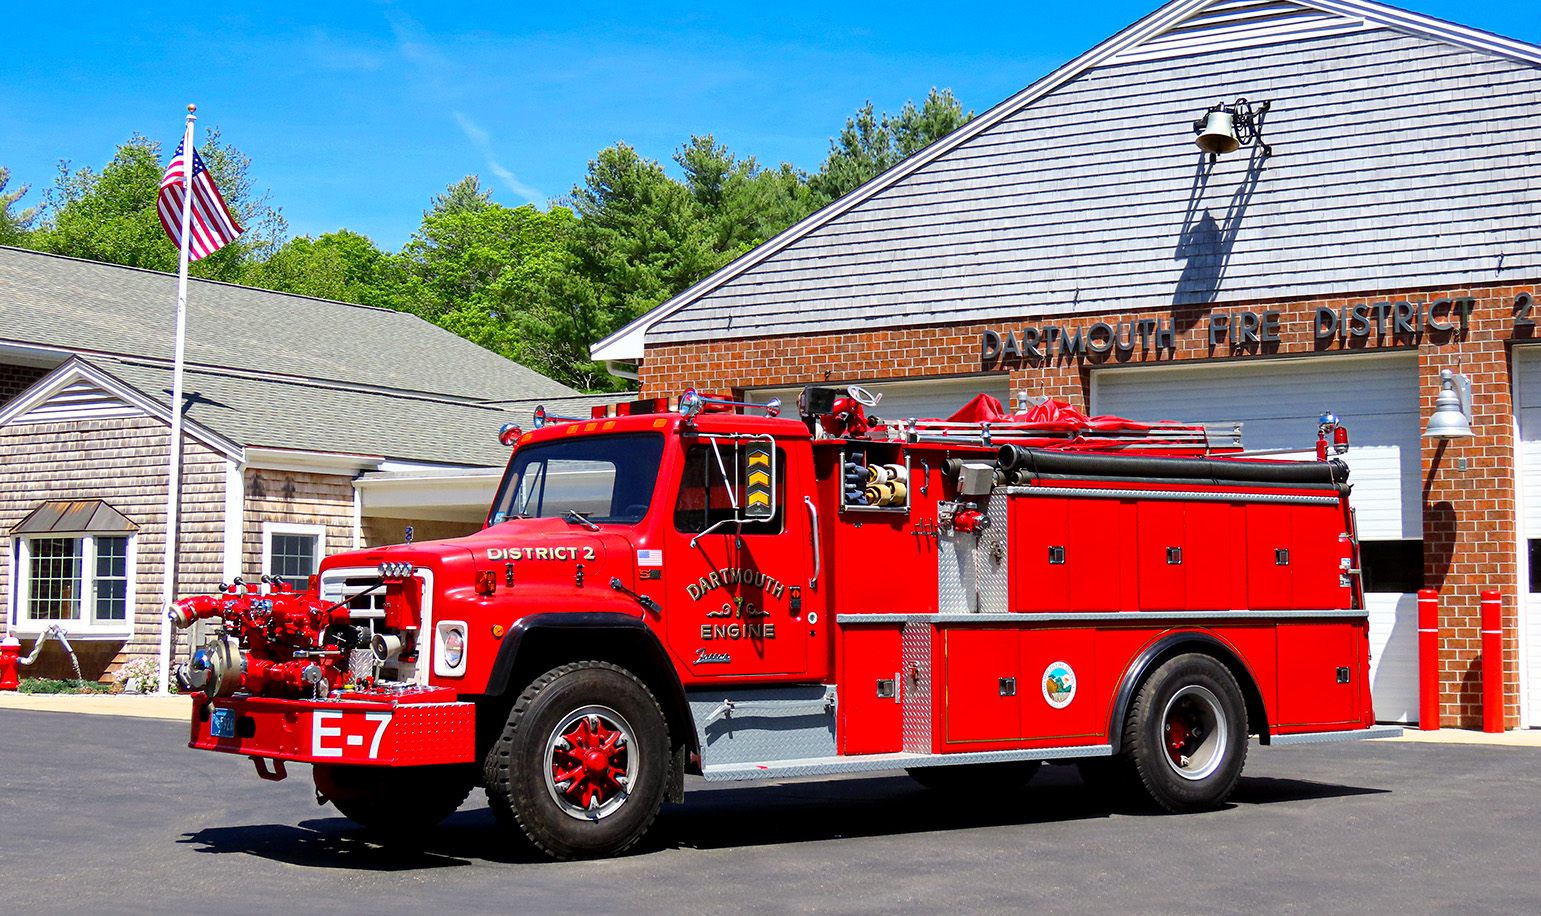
{"x":174,"y":474}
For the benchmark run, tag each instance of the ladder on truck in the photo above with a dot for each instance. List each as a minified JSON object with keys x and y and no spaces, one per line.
{"x":1169,"y":437}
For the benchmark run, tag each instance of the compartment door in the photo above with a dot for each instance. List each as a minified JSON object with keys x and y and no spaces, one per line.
{"x":1161,"y":544}
{"x":977,"y":707}
{"x":1270,"y":573}
{"x":1059,"y":695}
{"x":871,"y":689}
{"x":1040,"y":577}
{"x":1207,"y":556}
{"x":1093,"y":556}
{"x":1314,"y":659}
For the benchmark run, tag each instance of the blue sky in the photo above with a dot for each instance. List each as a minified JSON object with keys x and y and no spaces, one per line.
{"x":355,"y":114}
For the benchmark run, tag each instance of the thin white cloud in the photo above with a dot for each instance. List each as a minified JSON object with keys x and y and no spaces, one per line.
{"x":436,"y":74}
{"x":480,"y":139}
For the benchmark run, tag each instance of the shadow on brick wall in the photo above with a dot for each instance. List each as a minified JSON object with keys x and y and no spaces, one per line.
{"x":1438,"y":542}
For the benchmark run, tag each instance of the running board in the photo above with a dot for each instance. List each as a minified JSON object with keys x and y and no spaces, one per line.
{"x":822,"y":766}
{"x":1374,"y":731}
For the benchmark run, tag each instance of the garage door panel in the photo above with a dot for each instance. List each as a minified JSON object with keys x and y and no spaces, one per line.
{"x":1393,"y":656}
{"x":1384,"y":483}
{"x":1527,"y":404}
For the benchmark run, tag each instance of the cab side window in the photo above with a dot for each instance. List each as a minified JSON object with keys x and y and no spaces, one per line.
{"x":706,"y":497}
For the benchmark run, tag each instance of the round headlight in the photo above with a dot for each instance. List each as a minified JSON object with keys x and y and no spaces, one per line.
{"x":453,"y":647}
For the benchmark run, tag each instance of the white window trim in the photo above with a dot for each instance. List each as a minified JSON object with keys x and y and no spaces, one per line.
{"x":271,"y":528}
{"x":86,"y":627}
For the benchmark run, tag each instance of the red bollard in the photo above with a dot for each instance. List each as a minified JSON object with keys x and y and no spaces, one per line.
{"x":1492,"y":662}
{"x":1428,"y":660}
{"x":10,"y":656}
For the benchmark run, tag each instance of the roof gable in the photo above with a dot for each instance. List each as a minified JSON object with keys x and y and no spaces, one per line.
{"x":1180,"y":28}
{"x":82,"y":390}
{"x":1229,"y":24}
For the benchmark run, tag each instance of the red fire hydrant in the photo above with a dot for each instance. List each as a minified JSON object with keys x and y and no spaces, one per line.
{"x":10,"y":654}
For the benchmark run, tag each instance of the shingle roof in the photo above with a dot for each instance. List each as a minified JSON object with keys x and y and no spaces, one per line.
{"x":84,"y":306}
{"x":303,"y":416}
{"x":306,"y":416}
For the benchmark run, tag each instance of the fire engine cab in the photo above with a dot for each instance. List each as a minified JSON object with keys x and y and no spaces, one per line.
{"x":702,"y":586}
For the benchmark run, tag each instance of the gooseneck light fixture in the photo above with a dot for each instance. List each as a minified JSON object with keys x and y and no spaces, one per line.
{"x":1226,"y":127}
{"x":1452,"y":408}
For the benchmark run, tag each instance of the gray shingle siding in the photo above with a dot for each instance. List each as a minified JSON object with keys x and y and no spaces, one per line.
{"x":1399,"y":161}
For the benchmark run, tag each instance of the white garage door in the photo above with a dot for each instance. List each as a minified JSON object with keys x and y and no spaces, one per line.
{"x":923,"y":398}
{"x":1527,"y":407}
{"x":1278,"y":403}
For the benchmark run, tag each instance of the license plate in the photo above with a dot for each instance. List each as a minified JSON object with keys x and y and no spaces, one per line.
{"x":222,"y":723}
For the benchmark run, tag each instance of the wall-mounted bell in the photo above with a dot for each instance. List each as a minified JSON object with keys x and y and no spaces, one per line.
{"x":1218,"y":133}
{"x":1226,"y":127}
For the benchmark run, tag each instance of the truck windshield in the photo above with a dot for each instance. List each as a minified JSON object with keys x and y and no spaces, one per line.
{"x":602,"y":478}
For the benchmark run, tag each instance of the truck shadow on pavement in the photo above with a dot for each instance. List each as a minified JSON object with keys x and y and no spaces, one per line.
{"x":716,"y":817}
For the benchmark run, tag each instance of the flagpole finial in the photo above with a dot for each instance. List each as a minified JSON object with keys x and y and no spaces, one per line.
{"x":191,"y":109}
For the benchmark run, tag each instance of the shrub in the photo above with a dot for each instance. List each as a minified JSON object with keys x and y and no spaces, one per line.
{"x":49,"y":685}
{"x":141,"y":675}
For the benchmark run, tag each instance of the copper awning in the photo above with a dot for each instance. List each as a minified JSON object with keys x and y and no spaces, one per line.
{"x":75,"y":516}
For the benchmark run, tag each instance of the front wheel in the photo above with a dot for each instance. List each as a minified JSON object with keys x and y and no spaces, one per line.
{"x":581,"y":765}
{"x":1187,"y":734}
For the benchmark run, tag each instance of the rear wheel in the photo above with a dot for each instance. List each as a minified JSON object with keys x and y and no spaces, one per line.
{"x":975,"y":777}
{"x":582,"y":764}
{"x":394,"y":797}
{"x":1187,"y":734}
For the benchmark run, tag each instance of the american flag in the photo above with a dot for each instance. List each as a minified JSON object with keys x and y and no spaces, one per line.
{"x":213,"y":227}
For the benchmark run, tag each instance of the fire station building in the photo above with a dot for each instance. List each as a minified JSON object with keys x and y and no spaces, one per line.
{"x":1367,"y":218}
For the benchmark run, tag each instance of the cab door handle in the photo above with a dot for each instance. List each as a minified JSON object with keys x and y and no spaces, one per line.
{"x":813,"y":513}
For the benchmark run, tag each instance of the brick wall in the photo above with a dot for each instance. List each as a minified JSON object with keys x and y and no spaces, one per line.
{"x":16,"y":379}
{"x":1470,"y":516}
{"x":123,"y":463}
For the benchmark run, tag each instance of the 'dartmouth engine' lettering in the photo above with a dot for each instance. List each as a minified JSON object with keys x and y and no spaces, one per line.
{"x":721,"y":578}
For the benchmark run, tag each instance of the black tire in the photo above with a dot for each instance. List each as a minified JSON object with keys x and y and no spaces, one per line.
{"x":411,"y":798}
{"x":975,"y":776}
{"x":1186,"y":735}
{"x":592,"y":813}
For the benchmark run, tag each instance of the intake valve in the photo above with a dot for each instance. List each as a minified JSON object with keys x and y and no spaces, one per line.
{"x":971,"y":521}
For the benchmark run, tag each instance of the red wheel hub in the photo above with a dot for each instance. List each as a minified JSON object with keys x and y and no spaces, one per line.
{"x":1177,"y":735}
{"x":591,"y":768}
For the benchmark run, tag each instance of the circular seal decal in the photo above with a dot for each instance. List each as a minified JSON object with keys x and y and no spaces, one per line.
{"x":1059,"y":684}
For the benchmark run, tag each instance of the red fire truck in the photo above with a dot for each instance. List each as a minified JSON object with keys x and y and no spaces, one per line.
{"x":704,"y":587}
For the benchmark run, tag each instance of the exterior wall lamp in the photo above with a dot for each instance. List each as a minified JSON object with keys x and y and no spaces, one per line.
{"x":1452,"y":408}
{"x":1225,"y":127}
